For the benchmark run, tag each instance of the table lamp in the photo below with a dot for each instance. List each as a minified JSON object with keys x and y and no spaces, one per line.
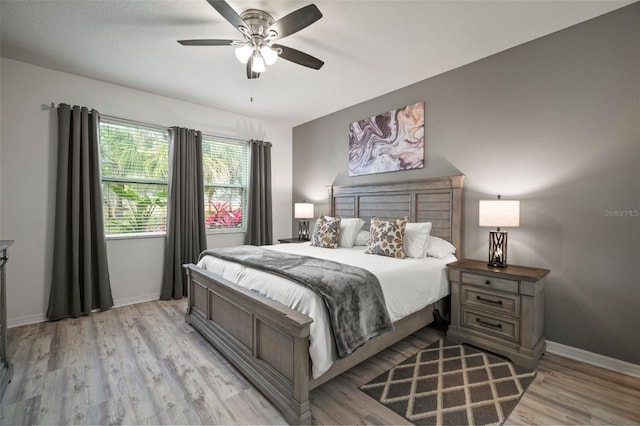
{"x":303,"y":211}
{"x":499,"y":213}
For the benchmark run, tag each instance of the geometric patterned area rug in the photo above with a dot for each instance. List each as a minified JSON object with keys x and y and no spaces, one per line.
{"x":452,"y":385}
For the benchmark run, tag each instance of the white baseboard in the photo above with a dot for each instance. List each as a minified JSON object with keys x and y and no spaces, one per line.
{"x":594,"y":359}
{"x":33,"y":319}
{"x":26,"y":320}
{"x":137,"y":299}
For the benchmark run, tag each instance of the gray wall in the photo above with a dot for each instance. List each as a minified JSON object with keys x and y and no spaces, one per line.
{"x":553,"y":123}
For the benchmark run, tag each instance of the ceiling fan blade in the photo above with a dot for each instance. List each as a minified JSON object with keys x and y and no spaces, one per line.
{"x":250,"y":73}
{"x":296,"y":20}
{"x":227,"y":13}
{"x":205,"y":42}
{"x":299,"y":57}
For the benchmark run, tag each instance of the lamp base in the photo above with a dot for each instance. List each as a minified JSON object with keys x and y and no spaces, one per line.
{"x":497,"y":249}
{"x":303,"y":230}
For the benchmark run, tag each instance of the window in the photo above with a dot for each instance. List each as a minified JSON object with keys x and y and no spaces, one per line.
{"x":135,"y":168}
{"x":225,"y":170}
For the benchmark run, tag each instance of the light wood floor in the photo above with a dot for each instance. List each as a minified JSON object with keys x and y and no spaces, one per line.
{"x":142,"y":364}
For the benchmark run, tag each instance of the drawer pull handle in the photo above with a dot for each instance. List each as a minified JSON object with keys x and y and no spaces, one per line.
{"x":488,"y":282}
{"x":488,"y":324}
{"x":495,"y":302}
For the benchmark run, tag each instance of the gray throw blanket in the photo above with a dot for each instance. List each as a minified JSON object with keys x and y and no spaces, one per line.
{"x":352,"y":295}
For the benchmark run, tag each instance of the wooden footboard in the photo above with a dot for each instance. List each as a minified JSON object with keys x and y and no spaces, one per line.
{"x":269,"y":342}
{"x":266,"y":341}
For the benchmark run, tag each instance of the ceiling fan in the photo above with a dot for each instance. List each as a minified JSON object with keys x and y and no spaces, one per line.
{"x":259,"y":30}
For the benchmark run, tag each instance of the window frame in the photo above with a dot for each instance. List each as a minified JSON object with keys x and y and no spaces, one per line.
{"x":131,"y":180}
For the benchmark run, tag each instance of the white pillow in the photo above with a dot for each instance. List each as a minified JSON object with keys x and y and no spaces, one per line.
{"x":439,"y":248}
{"x":349,"y":228}
{"x":416,"y":239}
{"x":362,"y":239}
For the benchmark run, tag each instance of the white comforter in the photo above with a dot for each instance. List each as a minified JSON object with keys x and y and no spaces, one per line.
{"x":408,"y":286}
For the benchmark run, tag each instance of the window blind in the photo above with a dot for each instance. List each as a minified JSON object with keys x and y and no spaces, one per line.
{"x":226,"y":175}
{"x":135,"y":168}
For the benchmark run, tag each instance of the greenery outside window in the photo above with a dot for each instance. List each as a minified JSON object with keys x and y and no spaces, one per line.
{"x":135,"y":169}
{"x":225,"y":170}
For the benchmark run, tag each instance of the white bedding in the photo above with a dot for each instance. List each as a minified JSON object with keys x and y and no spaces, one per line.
{"x":408,"y":286}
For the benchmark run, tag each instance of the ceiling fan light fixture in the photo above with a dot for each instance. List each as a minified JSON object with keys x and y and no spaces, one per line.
{"x":259,"y":31}
{"x":258,"y":63}
{"x":243,"y":53}
{"x":269,"y":54}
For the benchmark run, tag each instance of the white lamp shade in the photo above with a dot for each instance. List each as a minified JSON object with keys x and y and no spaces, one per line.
{"x":499,"y":213}
{"x":258,"y":63}
{"x":243,"y":53}
{"x":270,"y":55}
{"x":303,"y":211}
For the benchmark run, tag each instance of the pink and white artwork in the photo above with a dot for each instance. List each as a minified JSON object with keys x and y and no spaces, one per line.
{"x":387,"y":142}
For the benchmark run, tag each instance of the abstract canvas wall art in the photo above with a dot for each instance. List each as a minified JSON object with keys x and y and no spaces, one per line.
{"x":387,"y":142}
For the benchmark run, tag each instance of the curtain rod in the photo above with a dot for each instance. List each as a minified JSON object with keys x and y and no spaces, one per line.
{"x":113,"y":117}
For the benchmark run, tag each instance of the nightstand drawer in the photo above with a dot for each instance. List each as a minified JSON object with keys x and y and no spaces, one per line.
{"x":490,"y":282}
{"x":498,"y":302}
{"x":500,"y":327}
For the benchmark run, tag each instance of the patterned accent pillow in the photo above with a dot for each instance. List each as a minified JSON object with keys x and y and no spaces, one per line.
{"x":386,"y":237}
{"x":326,"y":232}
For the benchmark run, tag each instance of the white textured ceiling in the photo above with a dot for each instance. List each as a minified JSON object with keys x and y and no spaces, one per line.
{"x":369,"y":47}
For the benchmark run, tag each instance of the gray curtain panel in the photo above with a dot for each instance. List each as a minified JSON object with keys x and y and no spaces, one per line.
{"x":259,"y":222}
{"x":80,"y":277}
{"x":186,"y":235}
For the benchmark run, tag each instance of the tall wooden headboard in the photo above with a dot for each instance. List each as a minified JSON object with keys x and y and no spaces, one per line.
{"x":436,"y":200}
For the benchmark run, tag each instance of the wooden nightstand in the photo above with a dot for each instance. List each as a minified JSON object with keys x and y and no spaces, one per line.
{"x":291,"y":240}
{"x":498,"y":309}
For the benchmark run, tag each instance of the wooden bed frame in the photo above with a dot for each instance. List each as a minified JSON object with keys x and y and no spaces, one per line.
{"x":269,"y":342}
